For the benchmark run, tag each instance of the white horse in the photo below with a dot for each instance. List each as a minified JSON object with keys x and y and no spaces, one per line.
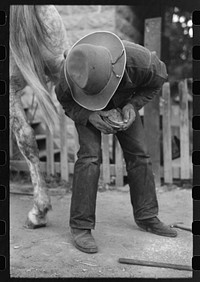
{"x":37,"y":44}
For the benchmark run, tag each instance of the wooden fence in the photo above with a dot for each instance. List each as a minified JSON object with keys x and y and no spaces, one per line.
{"x":113,"y":165}
{"x":182,"y":167}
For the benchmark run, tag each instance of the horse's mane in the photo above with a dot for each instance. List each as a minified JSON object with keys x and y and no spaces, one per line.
{"x":27,"y":37}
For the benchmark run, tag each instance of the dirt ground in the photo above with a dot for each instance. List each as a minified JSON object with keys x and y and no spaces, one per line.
{"x":48,"y":252}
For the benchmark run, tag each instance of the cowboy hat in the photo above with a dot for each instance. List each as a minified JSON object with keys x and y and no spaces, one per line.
{"x":94,"y":68}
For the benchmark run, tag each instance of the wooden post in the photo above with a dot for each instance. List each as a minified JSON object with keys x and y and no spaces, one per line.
{"x":167,"y":145}
{"x":105,"y":158}
{"x":119,"y":169}
{"x":184,"y":130}
{"x":50,"y":152}
{"x":152,"y":41}
{"x":63,"y":146}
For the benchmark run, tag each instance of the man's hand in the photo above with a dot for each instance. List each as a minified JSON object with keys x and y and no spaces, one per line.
{"x":129,"y":115}
{"x":96,"y":120}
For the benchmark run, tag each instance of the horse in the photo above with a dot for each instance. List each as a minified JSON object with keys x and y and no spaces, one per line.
{"x":38,"y":41}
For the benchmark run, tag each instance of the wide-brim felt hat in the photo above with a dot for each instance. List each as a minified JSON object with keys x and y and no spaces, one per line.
{"x":94,"y":68}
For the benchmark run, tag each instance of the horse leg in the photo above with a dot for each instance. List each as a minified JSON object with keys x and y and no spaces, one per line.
{"x":37,"y":216}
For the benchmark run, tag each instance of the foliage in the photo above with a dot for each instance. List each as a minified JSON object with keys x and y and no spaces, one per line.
{"x":178,"y":31}
{"x":176,"y":34}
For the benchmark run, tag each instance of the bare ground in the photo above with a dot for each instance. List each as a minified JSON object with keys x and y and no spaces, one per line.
{"x":48,"y":252}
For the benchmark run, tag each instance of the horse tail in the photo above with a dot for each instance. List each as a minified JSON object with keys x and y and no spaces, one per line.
{"x":27,"y":38}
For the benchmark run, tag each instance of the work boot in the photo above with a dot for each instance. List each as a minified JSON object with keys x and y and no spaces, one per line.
{"x":154,"y":225}
{"x":83,"y":240}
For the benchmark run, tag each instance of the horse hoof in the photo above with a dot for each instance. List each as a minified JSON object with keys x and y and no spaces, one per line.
{"x":30,"y":225}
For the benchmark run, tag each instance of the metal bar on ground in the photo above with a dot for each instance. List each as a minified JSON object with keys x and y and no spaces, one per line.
{"x":181,"y":227}
{"x":155,"y":264}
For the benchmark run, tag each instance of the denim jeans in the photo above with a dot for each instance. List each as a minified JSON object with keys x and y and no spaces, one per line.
{"x":87,"y":169}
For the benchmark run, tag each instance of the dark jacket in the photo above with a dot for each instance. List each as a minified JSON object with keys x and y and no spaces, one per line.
{"x":143,"y":78}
